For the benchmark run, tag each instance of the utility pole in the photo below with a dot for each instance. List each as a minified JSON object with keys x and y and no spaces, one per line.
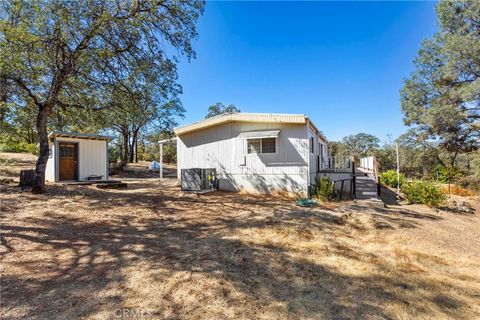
{"x":161,"y":161}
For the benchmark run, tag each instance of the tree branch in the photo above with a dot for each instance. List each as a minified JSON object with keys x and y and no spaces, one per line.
{"x":29,"y":92}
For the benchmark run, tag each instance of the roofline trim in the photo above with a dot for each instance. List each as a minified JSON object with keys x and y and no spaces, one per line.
{"x":319,"y":133}
{"x":76,"y":135}
{"x":248,"y":117}
{"x":240,"y":117}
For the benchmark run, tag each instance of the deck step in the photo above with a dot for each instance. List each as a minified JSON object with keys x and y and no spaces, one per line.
{"x":366,"y":187}
{"x":368,"y":193}
{"x":373,"y":188}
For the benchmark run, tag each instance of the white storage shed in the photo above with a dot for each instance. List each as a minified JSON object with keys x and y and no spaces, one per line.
{"x":77,"y":157}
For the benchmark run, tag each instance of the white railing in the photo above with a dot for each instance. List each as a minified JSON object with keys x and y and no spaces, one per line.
{"x":368,"y":163}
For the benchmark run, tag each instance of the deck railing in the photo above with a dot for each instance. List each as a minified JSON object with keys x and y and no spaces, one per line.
{"x":339,"y":163}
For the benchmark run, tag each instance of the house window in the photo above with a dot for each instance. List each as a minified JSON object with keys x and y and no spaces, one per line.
{"x":264,"y":145}
{"x":268,"y":145}
{"x":253,"y":145}
{"x":311,"y":144}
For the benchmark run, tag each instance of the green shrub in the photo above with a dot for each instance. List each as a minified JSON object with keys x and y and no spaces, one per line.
{"x":323,"y":188}
{"x":113,"y":154}
{"x":423,"y":192}
{"x":18,"y":147}
{"x":30,"y":148}
{"x":390,"y":178}
{"x":445,"y":174}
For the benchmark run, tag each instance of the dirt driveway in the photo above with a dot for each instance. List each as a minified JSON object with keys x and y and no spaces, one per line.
{"x":151,"y":251}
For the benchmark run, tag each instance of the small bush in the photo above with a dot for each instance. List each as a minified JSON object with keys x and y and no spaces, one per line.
{"x":390,"y":178}
{"x":423,"y":192}
{"x":446,"y":174}
{"x":323,"y":188}
{"x":470,"y":182}
{"x":19,"y":147}
{"x":113,"y":154}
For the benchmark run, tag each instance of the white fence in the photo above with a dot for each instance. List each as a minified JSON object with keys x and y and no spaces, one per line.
{"x":367,"y":163}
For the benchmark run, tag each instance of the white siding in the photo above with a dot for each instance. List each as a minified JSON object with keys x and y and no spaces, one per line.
{"x":218,"y":147}
{"x":324,"y":163}
{"x":92,"y":159}
{"x":314,"y":157}
{"x":50,"y":168}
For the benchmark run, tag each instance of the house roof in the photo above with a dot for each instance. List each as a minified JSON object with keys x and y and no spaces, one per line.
{"x":246,"y":117}
{"x":88,"y":136}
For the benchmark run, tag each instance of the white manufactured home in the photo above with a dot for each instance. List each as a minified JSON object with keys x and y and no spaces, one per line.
{"x":77,"y":157}
{"x":254,"y":152}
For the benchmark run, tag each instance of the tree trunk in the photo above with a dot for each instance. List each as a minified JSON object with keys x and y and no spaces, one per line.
{"x":124,"y":155}
{"x":452,"y":162}
{"x":3,"y":97}
{"x":39,"y":178}
{"x":136,"y":152}
{"x":133,"y":145}
{"x":132,"y":152}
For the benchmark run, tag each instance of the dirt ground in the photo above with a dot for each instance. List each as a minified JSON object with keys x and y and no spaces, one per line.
{"x":151,"y":251}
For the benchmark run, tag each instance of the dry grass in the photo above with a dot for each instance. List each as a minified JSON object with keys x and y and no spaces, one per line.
{"x":12,"y":163}
{"x":81,"y":252}
{"x":457,"y":190}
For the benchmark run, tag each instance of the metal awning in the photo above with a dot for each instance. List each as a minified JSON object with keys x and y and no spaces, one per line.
{"x":259,"y":134}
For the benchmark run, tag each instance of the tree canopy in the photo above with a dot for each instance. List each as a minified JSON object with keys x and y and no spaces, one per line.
{"x":62,"y":55}
{"x":441,"y":99}
{"x":219,"y":108}
{"x":360,"y":144}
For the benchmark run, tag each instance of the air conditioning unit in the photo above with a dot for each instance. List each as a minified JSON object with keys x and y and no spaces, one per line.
{"x":198,"y":179}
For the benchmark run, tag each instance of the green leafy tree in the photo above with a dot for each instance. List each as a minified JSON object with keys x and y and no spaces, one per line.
{"x":150,"y":149}
{"x":152,"y":104}
{"x":360,"y":144}
{"x":441,"y":99}
{"x":219,"y":108}
{"x":69,"y":54}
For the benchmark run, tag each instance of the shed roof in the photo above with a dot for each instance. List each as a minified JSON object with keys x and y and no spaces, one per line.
{"x":246,"y":117}
{"x":76,"y":135}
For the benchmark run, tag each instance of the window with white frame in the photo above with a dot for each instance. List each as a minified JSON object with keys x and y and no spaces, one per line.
{"x":262,"y":145}
{"x":311,"y":145}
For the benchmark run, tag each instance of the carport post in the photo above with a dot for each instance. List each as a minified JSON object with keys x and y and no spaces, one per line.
{"x":161,"y":160}
{"x":161,"y":143}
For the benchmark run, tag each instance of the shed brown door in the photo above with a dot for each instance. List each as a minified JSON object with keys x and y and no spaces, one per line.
{"x":68,"y":161}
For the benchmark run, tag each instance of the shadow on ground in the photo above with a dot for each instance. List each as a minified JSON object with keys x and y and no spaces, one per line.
{"x":181,"y":256}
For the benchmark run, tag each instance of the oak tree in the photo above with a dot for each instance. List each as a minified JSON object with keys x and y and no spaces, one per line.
{"x":69,"y":54}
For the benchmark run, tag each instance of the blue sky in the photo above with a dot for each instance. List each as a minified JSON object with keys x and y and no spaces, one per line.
{"x":340,"y":63}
